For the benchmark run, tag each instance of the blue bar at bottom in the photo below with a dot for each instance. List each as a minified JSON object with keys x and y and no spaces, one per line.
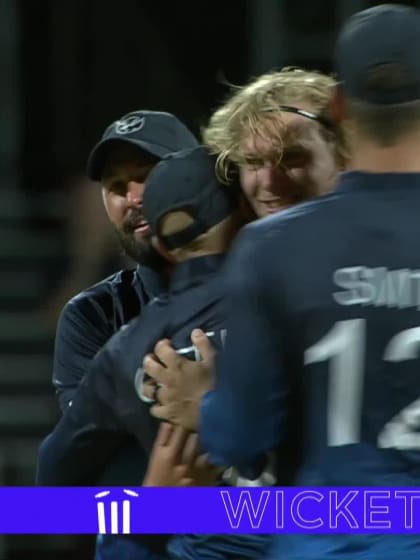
{"x":38,"y":510}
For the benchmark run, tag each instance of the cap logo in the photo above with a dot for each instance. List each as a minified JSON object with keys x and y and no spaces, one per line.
{"x":129,"y":124}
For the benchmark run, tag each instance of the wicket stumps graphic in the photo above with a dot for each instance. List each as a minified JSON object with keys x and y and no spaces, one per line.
{"x":115,"y":507}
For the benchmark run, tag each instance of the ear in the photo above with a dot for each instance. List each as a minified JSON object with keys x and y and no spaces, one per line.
{"x":162,"y":250}
{"x":338,"y":106}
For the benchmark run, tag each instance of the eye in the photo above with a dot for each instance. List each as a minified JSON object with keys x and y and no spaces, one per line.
{"x":141,"y":176}
{"x":295,"y":161}
{"x":117,"y":187}
{"x":253,"y":163}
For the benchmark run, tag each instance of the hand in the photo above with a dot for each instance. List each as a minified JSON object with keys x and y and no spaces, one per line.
{"x":182,"y":382}
{"x":175,"y":460}
{"x":149,"y":391}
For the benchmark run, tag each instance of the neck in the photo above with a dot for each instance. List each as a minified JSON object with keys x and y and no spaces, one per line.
{"x":211,"y":247}
{"x":217,"y":243}
{"x":401,"y":157}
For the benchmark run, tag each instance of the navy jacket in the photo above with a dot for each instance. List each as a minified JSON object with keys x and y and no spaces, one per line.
{"x":89,"y":320}
{"x":86,"y":323}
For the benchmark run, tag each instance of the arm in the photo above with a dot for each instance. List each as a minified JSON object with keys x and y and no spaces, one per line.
{"x":104,"y":411}
{"x":84,"y":439}
{"x":175,"y":460}
{"x":87,"y":323}
{"x":82,"y":330}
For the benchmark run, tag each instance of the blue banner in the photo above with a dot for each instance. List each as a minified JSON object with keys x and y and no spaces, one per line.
{"x":209,"y":510}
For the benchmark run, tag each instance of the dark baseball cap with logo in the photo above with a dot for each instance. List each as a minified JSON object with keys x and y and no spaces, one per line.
{"x":154,"y":132}
{"x":187,"y":181}
{"x":384,"y":37}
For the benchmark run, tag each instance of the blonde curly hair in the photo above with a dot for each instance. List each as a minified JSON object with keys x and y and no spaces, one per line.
{"x":254,"y":109}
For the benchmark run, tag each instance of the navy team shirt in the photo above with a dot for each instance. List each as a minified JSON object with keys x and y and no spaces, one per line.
{"x":106,"y":407}
{"x":86,"y":323}
{"x":89,"y":320}
{"x":325,"y":306}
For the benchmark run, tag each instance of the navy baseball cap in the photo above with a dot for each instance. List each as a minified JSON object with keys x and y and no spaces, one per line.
{"x":187,"y":181}
{"x":154,"y":132}
{"x":381,"y":37}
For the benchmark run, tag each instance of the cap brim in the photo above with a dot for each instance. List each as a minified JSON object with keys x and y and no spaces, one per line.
{"x":100,"y":153}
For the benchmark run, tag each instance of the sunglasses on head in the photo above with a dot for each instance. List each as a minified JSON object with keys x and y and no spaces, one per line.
{"x":303,"y":113}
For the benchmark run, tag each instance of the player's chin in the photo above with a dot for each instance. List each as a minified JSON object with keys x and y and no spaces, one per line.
{"x":143,"y":246}
{"x":265,"y":210}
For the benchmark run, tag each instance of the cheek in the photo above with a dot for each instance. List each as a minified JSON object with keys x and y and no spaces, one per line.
{"x":323,"y":159}
{"x":248,"y":183}
{"x":325,"y":169}
{"x":114,"y":206}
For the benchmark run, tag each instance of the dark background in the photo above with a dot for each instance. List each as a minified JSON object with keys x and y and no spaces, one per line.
{"x":68,"y":68}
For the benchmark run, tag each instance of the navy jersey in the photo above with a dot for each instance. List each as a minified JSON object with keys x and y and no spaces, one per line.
{"x":106,"y":406}
{"x":89,"y":320}
{"x":324,"y":305}
{"x":86,"y":323}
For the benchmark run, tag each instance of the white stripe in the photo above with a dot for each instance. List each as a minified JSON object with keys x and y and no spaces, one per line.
{"x":131,"y":493}
{"x":102,"y":494}
{"x":101,"y":519}
{"x":126,"y":517}
{"x":114,"y":518}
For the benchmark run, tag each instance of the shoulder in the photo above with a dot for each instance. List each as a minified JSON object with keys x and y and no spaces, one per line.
{"x":88,"y":321}
{"x":106,"y":288}
{"x":101,"y":305}
{"x":263,"y":246}
{"x":286,"y":232}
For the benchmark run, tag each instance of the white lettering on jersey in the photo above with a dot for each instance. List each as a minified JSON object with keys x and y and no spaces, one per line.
{"x":379,"y":287}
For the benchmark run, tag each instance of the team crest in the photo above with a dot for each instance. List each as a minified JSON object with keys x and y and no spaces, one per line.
{"x":129,"y":124}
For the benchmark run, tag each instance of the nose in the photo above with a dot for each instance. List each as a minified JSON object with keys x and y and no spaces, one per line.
{"x":134,"y":194}
{"x":268,"y":176}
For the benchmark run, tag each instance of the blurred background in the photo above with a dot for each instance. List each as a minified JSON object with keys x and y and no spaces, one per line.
{"x":68,"y":68}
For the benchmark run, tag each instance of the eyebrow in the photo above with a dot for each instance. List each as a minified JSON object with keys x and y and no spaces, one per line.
{"x":141,"y":167}
{"x":303,"y":113}
{"x":294,"y":150}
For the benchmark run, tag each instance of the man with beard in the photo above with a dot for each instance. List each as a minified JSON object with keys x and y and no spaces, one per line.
{"x":121,"y":161}
{"x":194,"y":225}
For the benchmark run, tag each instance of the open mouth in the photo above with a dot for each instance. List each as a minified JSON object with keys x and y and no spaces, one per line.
{"x":142,"y":227}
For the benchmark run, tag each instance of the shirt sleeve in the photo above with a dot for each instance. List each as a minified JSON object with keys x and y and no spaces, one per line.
{"x":244,"y":416}
{"x":83,"y":329}
{"x":86,"y":436}
{"x":105,"y":411}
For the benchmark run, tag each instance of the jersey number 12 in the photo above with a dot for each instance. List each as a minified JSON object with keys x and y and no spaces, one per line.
{"x":344,"y":347}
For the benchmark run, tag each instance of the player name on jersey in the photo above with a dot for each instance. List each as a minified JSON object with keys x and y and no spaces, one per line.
{"x":379,"y":286}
